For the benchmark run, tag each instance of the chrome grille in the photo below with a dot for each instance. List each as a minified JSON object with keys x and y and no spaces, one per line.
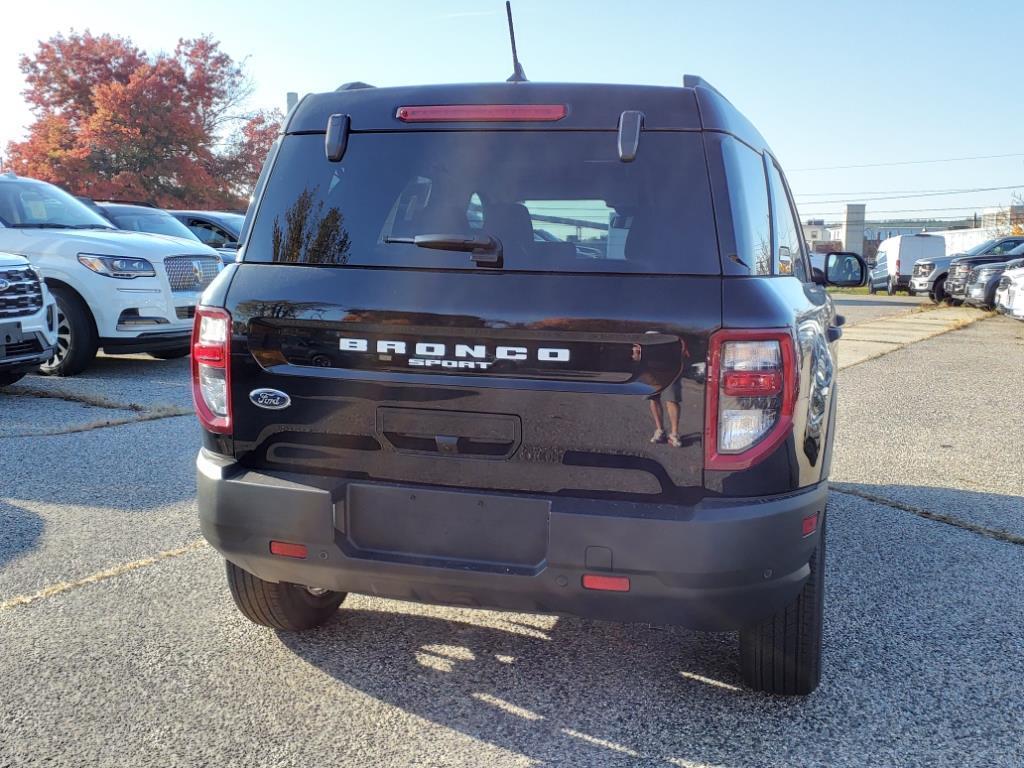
{"x":191,"y":273}
{"x":23,"y":295}
{"x":1004,"y":282}
{"x":960,"y":270}
{"x":923,"y":269}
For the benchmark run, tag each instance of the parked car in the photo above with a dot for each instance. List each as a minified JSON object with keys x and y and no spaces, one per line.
{"x":500,"y":421}
{"x":1011,"y":284}
{"x":990,"y":252}
{"x":116,"y":290}
{"x":28,"y":319}
{"x":218,"y":229}
{"x":144,"y":218}
{"x":983,"y":282}
{"x":894,"y":262}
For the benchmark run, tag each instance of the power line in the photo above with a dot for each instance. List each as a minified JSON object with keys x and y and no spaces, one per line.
{"x":965,"y":208}
{"x":905,"y":162}
{"x":873,"y":192}
{"x":926,"y":194}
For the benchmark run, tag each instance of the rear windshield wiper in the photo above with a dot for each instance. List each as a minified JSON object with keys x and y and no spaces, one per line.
{"x":485,"y":250}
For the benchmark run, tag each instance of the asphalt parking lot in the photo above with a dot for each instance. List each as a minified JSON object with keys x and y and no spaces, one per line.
{"x":121,"y":646}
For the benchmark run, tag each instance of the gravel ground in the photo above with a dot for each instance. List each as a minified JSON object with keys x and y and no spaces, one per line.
{"x":153,"y":666}
{"x":859,"y":308}
{"x":126,"y":380}
{"x":24,"y":415}
{"x":948,"y":437}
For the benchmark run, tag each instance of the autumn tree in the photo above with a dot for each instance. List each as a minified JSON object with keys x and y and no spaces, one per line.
{"x":112,"y":121}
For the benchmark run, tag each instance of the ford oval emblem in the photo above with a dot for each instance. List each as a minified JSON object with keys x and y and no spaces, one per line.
{"x":272,"y":399}
{"x":4,"y":285}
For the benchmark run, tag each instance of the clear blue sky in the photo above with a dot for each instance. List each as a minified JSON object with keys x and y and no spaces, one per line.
{"x":828,"y":83}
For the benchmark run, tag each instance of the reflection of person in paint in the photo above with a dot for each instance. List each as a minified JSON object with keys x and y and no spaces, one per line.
{"x":672,"y":397}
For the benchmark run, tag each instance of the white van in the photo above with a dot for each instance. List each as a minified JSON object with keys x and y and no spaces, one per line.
{"x":894,"y":262}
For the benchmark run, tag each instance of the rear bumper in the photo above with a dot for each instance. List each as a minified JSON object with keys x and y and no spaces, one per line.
{"x":155,"y":341}
{"x":719,"y":565}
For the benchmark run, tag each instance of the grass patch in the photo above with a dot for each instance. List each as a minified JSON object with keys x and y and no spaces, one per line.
{"x":860,"y":290}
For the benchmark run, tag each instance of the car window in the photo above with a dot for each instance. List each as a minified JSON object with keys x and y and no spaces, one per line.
{"x":558,"y":201}
{"x":157,"y":223}
{"x":1004,"y":247}
{"x":32,"y":204}
{"x":215,"y":237}
{"x":748,"y":203}
{"x":788,"y":256}
{"x":880,"y":259}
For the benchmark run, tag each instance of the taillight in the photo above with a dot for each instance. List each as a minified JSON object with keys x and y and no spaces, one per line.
{"x":482,"y":113}
{"x":211,"y":369}
{"x":751,"y":389}
{"x":897,"y":266}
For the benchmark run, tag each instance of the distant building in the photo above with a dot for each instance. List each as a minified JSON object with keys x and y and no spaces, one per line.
{"x":1003,"y":219}
{"x":815,"y":232}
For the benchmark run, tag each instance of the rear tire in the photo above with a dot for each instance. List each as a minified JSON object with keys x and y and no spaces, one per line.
{"x":6,"y":379}
{"x":171,"y":354}
{"x":871,"y":287}
{"x":76,"y":336}
{"x":290,"y":607}
{"x":782,"y":654}
{"x":890,"y":289}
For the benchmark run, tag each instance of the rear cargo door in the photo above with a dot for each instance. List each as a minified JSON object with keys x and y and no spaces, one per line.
{"x":572,"y":363}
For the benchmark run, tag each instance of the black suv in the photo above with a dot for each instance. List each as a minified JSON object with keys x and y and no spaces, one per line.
{"x":990,"y":252}
{"x":406,"y":392}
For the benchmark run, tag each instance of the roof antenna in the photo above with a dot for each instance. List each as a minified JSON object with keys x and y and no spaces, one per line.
{"x":518,"y":75}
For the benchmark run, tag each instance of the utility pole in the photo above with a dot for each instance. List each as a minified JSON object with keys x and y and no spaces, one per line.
{"x":291,"y":99}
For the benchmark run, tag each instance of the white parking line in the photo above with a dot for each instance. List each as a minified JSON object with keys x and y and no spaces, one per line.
{"x":95,"y":578}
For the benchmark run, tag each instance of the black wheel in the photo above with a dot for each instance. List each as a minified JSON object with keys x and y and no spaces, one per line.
{"x":6,"y":379}
{"x":911,"y":292}
{"x":938,"y":294}
{"x":291,"y":607}
{"x":76,"y":336}
{"x":891,"y":287}
{"x":956,"y":302}
{"x":171,"y":354}
{"x":871,"y":287}
{"x":782,"y":654}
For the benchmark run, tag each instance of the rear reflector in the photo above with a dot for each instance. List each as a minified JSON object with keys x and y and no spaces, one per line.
{"x":285,"y":549}
{"x":606,"y":583}
{"x":810,"y":524}
{"x":482,"y":113}
{"x":751,"y":384}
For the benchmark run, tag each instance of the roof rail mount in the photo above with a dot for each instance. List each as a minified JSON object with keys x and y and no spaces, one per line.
{"x":694,"y":81}
{"x":355,"y":85}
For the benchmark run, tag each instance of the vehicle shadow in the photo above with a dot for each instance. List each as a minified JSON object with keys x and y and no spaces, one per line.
{"x":565,"y":691}
{"x":559,"y":690}
{"x":20,"y":532}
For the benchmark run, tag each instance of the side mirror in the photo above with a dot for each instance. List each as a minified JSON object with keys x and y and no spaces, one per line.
{"x":844,"y":269}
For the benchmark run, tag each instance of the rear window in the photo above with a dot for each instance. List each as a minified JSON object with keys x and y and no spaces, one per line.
{"x":558,"y":201}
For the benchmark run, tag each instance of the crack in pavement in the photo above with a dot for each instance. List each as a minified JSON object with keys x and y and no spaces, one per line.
{"x":154,"y":415}
{"x":96,"y":401}
{"x":142,"y":412}
{"x":939,"y":517}
{"x":95,"y":578}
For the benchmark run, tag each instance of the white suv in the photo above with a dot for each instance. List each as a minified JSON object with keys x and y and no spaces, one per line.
{"x":119,"y":290}
{"x":28,"y":319}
